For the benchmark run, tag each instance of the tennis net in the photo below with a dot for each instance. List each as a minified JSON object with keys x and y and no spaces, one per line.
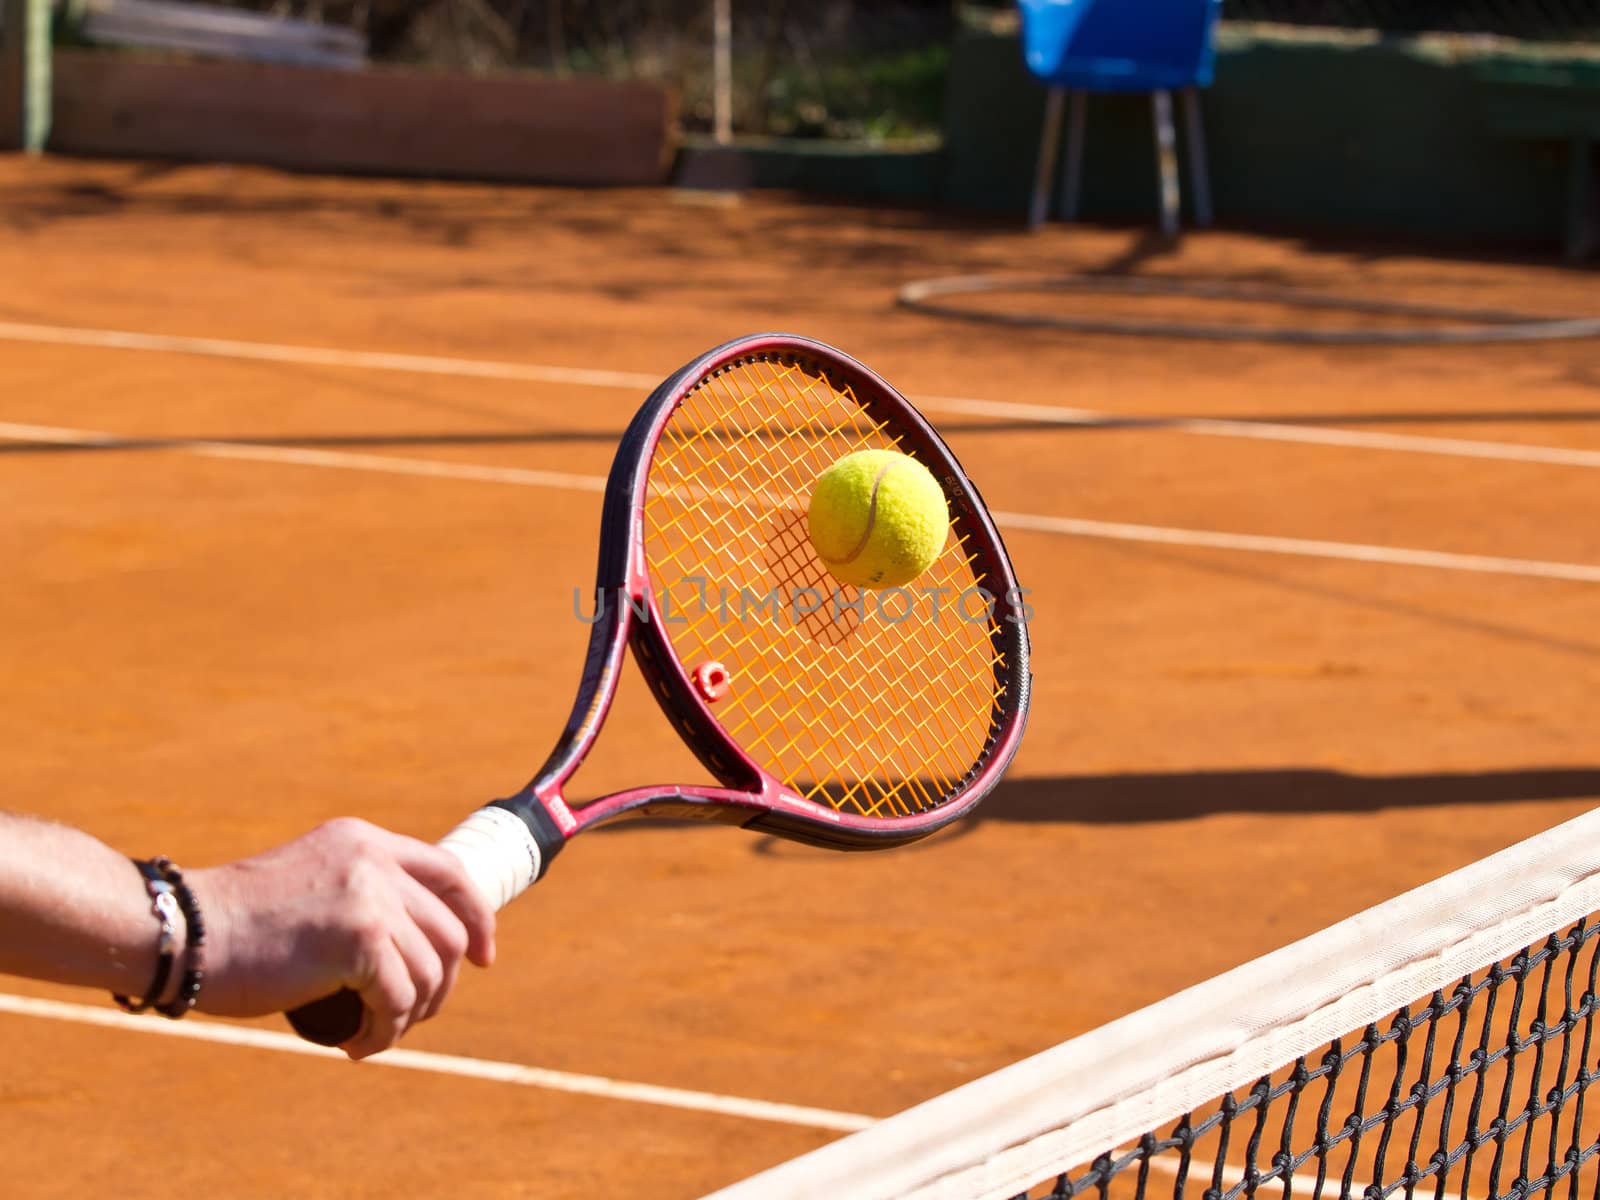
{"x":1440,"y":1045}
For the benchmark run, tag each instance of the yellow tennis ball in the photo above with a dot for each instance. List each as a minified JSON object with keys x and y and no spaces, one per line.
{"x":877,"y":519}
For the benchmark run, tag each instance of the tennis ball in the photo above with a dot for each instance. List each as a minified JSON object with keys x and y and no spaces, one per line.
{"x":877,"y":519}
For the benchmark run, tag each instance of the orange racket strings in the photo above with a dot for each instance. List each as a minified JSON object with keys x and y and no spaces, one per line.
{"x":877,"y":703}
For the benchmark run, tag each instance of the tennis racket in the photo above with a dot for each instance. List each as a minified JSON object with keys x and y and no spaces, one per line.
{"x":852,"y":720}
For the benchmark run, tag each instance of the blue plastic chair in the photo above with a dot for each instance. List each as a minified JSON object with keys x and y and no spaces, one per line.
{"x":1155,"y":46}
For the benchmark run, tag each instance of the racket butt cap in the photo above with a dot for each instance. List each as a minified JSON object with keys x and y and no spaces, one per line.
{"x":331,"y":1021}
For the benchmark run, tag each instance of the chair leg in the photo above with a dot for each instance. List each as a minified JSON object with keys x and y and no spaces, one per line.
{"x":1045,"y":170}
{"x":1166,"y":161}
{"x":1072,"y":169}
{"x":1199,"y":173}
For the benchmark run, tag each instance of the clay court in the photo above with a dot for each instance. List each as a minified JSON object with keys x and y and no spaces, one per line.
{"x":305,"y":580}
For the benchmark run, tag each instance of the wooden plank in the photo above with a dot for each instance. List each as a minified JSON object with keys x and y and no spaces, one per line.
{"x":380,"y":121}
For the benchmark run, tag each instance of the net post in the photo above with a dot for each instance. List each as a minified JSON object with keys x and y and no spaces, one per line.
{"x":25,"y":73}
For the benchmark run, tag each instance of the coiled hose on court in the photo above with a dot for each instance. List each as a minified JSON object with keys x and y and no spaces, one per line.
{"x":1468,"y":326}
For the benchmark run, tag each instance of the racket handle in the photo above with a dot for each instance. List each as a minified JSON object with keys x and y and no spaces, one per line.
{"x":331,"y":1021}
{"x":503,"y":858}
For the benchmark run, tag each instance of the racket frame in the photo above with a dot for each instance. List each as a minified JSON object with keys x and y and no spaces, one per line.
{"x":749,"y":795}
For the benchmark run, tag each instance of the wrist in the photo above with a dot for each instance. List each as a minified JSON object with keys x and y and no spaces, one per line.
{"x":210,"y":889}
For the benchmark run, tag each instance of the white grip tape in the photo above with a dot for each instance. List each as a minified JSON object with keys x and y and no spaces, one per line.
{"x":499,"y":853}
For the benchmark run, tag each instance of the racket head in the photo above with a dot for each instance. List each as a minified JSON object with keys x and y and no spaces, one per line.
{"x":851,"y":725}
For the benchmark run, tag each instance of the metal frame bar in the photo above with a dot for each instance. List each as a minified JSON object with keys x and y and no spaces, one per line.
{"x":1045,"y":168}
{"x":1199,"y":172}
{"x":1166,"y":160}
{"x":1072,"y":169}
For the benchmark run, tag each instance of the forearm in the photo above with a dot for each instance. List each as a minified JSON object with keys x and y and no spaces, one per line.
{"x":72,"y":909}
{"x":346,"y":905}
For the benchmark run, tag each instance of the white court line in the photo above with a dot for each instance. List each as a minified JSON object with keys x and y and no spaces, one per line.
{"x":1272,"y":432}
{"x":489,"y":1070}
{"x":447,"y":1064}
{"x":339,"y":459}
{"x":1302,"y":547}
{"x":116,"y":339}
{"x":318,"y":356}
{"x":1482,"y":564}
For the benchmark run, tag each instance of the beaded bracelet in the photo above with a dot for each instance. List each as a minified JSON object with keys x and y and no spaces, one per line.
{"x":170,"y":895}
{"x":195,"y":940}
{"x":165,"y":906}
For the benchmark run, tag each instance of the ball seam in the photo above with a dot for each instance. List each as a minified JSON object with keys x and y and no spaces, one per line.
{"x":872,"y":517}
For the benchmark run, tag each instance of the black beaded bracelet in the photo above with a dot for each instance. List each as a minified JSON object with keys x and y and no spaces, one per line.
{"x":195,"y":940}
{"x":165,"y":905}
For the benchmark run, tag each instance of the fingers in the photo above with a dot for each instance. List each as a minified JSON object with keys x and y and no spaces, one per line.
{"x":411,"y":973}
{"x":445,"y":936}
{"x":442,"y":874}
{"x":388,"y":996}
{"x":432,"y":916}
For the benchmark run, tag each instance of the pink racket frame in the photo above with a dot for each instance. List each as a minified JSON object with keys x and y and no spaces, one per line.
{"x":750,"y":796}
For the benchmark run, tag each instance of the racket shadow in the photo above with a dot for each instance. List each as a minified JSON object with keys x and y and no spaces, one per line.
{"x":1176,"y":796}
{"x":1134,"y":798}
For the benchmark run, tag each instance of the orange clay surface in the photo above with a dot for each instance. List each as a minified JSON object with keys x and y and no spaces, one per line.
{"x":202,"y":656}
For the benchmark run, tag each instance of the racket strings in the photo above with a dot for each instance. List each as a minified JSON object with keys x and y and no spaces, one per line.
{"x":879,"y":703}
{"x":860,"y":793}
{"x":866,"y":783}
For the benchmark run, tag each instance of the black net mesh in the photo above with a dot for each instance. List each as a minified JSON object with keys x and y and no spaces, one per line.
{"x":1478,"y":1092}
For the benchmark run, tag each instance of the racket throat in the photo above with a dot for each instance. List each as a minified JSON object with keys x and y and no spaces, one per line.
{"x":548,"y":820}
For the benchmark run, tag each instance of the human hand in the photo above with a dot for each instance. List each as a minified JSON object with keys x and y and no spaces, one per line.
{"x":348,"y":905}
